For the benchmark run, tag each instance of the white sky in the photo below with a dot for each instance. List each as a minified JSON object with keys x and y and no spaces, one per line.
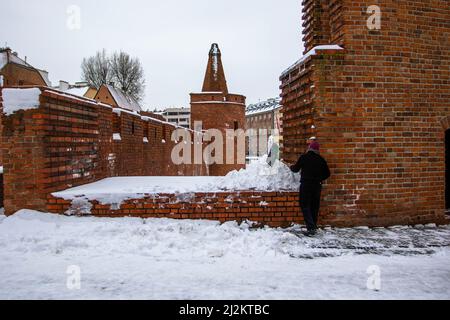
{"x":258,"y":39}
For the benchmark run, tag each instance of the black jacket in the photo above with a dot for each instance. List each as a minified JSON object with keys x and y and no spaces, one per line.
{"x":314,"y":168}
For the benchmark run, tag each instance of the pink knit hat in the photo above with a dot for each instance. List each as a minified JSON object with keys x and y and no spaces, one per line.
{"x":315,"y":146}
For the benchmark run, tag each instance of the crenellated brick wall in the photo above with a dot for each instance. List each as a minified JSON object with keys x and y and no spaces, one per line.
{"x":378,"y":107}
{"x":68,"y":141}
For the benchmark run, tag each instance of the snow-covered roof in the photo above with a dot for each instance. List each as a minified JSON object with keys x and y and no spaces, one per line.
{"x":44,"y":75}
{"x":81,"y":91}
{"x":7,"y":57}
{"x":263,"y":107}
{"x":123,"y":100}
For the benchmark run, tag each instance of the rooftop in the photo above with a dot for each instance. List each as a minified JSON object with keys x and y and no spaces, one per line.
{"x":124,"y":100}
{"x":8,"y":56}
{"x":263,"y":106}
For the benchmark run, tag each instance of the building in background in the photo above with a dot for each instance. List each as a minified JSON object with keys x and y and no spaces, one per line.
{"x":15,"y":71}
{"x":81,"y":89}
{"x":266,"y":116}
{"x":178,"y":116}
{"x":216,"y":108}
{"x":108,"y":94}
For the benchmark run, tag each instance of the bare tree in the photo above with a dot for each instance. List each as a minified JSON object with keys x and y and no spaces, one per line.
{"x":96,"y":70}
{"x":125,"y":72}
{"x":128,"y":74}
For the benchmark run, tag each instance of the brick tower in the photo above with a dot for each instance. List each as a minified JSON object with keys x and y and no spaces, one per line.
{"x":218,"y":109}
{"x":379,"y":101}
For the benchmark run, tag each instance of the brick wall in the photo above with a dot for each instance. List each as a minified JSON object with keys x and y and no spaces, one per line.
{"x":275,"y":209}
{"x":68,"y":141}
{"x":377,"y":107}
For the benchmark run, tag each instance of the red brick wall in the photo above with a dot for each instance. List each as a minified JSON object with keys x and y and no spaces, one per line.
{"x":68,"y":142}
{"x":23,"y":152}
{"x":275,"y":209}
{"x":271,"y":208}
{"x":377,"y":108}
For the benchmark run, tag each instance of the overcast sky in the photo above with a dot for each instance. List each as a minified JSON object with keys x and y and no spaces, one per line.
{"x":258,"y":39}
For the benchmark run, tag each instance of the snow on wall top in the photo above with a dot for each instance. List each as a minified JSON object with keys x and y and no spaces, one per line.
{"x":20,"y":99}
{"x":257,"y":176}
{"x":311,"y":52}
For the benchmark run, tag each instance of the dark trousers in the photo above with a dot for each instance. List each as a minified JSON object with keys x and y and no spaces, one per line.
{"x":310,"y":193}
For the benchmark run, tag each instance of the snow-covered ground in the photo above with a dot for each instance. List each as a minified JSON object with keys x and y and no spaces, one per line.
{"x":171,"y":259}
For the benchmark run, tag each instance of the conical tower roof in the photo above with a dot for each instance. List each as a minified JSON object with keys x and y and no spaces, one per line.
{"x":215,"y":80}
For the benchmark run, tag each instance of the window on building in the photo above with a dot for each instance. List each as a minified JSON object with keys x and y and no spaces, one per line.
{"x":236,"y":125}
{"x":132,"y":128}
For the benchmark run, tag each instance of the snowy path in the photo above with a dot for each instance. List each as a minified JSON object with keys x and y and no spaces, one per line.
{"x":168,"y":259}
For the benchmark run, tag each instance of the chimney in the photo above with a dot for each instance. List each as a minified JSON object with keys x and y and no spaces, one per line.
{"x":64,"y":85}
{"x":81,"y":84}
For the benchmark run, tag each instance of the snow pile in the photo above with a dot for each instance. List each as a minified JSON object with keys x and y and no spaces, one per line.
{"x":258,"y":176}
{"x":119,"y":189}
{"x":195,"y":260}
{"x":261,"y":177}
{"x":20,"y":99}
